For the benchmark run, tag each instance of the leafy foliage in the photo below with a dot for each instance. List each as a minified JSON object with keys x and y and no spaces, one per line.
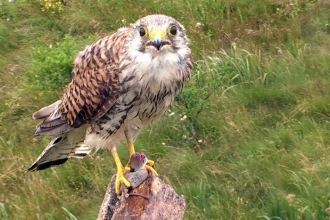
{"x":7,"y":10}
{"x":52,"y":6}
{"x":3,"y":212}
{"x":52,"y":65}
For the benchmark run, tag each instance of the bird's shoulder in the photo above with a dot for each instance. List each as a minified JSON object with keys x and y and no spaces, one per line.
{"x":96,"y":83}
{"x":105,"y":51}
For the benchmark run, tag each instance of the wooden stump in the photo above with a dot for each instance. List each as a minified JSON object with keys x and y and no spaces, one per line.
{"x":162,"y":202}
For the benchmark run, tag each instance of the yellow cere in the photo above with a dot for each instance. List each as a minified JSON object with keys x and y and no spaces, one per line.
{"x":158,"y":33}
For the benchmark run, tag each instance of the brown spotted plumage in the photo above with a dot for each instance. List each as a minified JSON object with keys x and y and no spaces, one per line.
{"x":121,"y":83}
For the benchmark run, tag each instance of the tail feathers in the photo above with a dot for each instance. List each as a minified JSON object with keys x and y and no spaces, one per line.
{"x":58,"y":151}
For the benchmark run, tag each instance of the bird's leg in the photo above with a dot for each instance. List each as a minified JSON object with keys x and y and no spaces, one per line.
{"x":131,"y":149}
{"x":129,"y":134}
{"x":120,"y":178}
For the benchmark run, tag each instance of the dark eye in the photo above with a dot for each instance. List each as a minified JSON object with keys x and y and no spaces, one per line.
{"x":173,"y":30}
{"x":143,"y":31}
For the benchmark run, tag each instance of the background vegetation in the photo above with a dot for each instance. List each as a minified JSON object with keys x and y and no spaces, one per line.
{"x":249,"y":137}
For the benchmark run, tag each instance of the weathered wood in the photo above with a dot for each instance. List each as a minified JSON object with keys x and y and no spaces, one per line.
{"x":109,"y":202}
{"x":159,"y":201}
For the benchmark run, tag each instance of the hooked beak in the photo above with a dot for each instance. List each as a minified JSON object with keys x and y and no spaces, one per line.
{"x":158,"y":39}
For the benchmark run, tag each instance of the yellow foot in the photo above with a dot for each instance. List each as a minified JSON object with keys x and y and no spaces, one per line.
{"x":150,"y":163}
{"x":135,"y":163}
{"x":120,"y":179}
{"x":150,"y":169}
{"x":128,"y":169}
{"x":149,"y":166}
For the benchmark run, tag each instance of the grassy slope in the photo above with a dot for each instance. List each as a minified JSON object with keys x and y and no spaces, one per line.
{"x":256,"y":137}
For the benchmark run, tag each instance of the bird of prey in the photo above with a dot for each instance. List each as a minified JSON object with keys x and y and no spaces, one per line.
{"x":121,"y":83}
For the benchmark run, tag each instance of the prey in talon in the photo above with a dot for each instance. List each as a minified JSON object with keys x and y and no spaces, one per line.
{"x":137,"y":174}
{"x":121,"y":84}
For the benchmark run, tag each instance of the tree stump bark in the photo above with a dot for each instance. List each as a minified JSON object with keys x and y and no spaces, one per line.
{"x":152,"y":200}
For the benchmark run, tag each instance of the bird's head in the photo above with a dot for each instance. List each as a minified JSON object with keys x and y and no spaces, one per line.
{"x":157,"y":34}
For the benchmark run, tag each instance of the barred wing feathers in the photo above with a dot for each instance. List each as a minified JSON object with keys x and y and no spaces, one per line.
{"x":91,"y":93}
{"x":93,"y":90}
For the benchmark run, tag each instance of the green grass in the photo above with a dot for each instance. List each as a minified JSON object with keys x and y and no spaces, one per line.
{"x":248,"y":138}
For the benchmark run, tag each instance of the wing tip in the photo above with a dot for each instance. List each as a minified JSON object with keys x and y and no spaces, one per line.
{"x":36,"y":115}
{"x":46,"y":111}
{"x":54,"y":130}
{"x":43,"y":166}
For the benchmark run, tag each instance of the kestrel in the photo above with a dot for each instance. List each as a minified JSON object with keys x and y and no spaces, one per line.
{"x":121,"y":83}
